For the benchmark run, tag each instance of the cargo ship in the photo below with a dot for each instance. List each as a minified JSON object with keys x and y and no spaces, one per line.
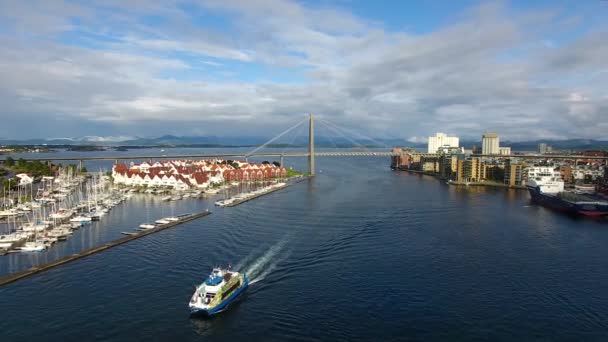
{"x":546,"y":188}
{"x":220,"y":289}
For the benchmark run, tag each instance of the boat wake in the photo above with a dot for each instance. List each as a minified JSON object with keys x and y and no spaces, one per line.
{"x":258,"y":265}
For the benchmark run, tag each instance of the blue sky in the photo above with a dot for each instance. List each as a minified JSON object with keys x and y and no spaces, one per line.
{"x":384,"y":68}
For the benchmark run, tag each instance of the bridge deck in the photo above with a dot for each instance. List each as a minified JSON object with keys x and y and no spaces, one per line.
{"x":295,"y":154}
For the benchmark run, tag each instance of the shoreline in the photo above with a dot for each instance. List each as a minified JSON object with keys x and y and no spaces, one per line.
{"x":450,"y":182}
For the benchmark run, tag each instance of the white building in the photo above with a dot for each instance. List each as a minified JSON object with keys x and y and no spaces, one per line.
{"x":24,"y":179}
{"x":441,"y":140}
{"x":504,"y":151}
{"x":450,"y":150}
{"x":490,"y":143}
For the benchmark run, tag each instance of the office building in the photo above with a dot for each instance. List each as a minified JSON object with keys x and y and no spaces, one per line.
{"x":490,"y":143}
{"x":542,"y":148}
{"x":441,"y":140}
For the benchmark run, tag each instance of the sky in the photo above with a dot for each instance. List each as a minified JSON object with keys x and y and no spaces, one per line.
{"x":398,"y":69}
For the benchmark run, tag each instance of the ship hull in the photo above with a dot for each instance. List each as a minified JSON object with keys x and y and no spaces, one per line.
{"x":574,"y":208}
{"x":194,"y":311}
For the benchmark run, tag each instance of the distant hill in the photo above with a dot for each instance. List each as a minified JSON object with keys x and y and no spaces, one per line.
{"x":320,"y":141}
{"x":564,"y":145}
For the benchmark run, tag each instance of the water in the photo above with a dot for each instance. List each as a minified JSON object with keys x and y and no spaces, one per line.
{"x":358,"y":253}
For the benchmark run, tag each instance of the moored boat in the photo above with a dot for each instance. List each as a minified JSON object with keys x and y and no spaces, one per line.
{"x":33,"y":246}
{"x":547,"y":188}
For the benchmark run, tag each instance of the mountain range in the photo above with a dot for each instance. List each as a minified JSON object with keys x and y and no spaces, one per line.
{"x":321,"y":141}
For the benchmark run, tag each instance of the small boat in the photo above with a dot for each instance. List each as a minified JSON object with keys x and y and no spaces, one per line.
{"x":171,"y":219}
{"x":147,"y":226}
{"x":80,"y":219}
{"x":220,"y":289}
{"x":34,"y":246}
{"x":166,"y":198}
{"x":10,"y":212}
{"x":162,"y":221}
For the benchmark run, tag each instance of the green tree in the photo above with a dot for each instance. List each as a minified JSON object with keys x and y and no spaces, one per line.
{"x":83,"y":169}
{"x":9,"y":161}
{"x":21,"y":163}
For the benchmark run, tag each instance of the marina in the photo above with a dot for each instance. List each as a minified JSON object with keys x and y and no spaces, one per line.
{"x":45,"y":267}
{"x":60,"y":206}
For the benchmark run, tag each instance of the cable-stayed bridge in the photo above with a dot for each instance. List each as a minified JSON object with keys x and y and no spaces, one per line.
{"x":311,"y":154}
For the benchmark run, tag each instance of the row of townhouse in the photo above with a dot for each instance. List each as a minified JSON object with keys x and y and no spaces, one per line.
{"x":184,"y":174}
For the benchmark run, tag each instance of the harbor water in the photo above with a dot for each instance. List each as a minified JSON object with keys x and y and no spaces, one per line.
{"x":358,"y":253}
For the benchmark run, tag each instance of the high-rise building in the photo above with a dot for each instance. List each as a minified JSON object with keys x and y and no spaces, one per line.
{"x":440,"y":140}
{"x":543,"y":148}
{"x":490,"y":143}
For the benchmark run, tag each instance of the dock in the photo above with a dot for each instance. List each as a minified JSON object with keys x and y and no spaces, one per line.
{"x":132,"y":236}
{"x":241,"y":201}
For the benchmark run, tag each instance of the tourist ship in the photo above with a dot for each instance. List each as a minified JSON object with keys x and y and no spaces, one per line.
{"x":221,"y":288}
{"x":547,"y":188}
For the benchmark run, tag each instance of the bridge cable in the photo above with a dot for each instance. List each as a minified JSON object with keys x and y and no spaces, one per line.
{"x":275,"y":138}
{"x":296,"y":134}
{"x":359,"y":134}
{"x":342,"y":134}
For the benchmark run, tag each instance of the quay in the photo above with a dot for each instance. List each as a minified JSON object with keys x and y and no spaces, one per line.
{"x":234,"y":203}
{"x":45,"y":267}
{"x":451,"y":182}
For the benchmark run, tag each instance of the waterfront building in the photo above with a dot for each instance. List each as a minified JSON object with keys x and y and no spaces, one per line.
{"x":439,"y":140}
{"x":448,"y":165}
{"x":586,"y":173}
{"x":566,"y":172}
{"x":400,"y":161}
{"x":504,"y":151}
{"x":490,"y":143}
{"x":468,"y":170}
{"x":492,"y":172}
{"x":185,"y":174}
{"x":25,"y":179}
{"x":430,"y":164}
{"x":514,"y":174}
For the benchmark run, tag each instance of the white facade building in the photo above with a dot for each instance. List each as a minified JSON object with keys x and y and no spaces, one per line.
{"x":24,"y":179}
{"x":504,"y":151}
{"x":490,"y":143}
{"x":441,"y":140}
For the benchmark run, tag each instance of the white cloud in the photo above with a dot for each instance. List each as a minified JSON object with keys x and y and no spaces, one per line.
{"x":485,"y":71}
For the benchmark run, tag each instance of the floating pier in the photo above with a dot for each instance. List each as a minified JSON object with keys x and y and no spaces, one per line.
{"x":249,"y":198}
{"x":240,"y":201}
{"x":136,"y":235}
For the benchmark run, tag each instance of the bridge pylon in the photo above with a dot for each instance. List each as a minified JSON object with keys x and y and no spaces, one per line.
{"x":311,"y":145}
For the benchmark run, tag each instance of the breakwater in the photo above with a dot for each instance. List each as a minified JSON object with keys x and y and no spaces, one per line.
{"x":45,"y":267}
{"x":236,"y":202}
